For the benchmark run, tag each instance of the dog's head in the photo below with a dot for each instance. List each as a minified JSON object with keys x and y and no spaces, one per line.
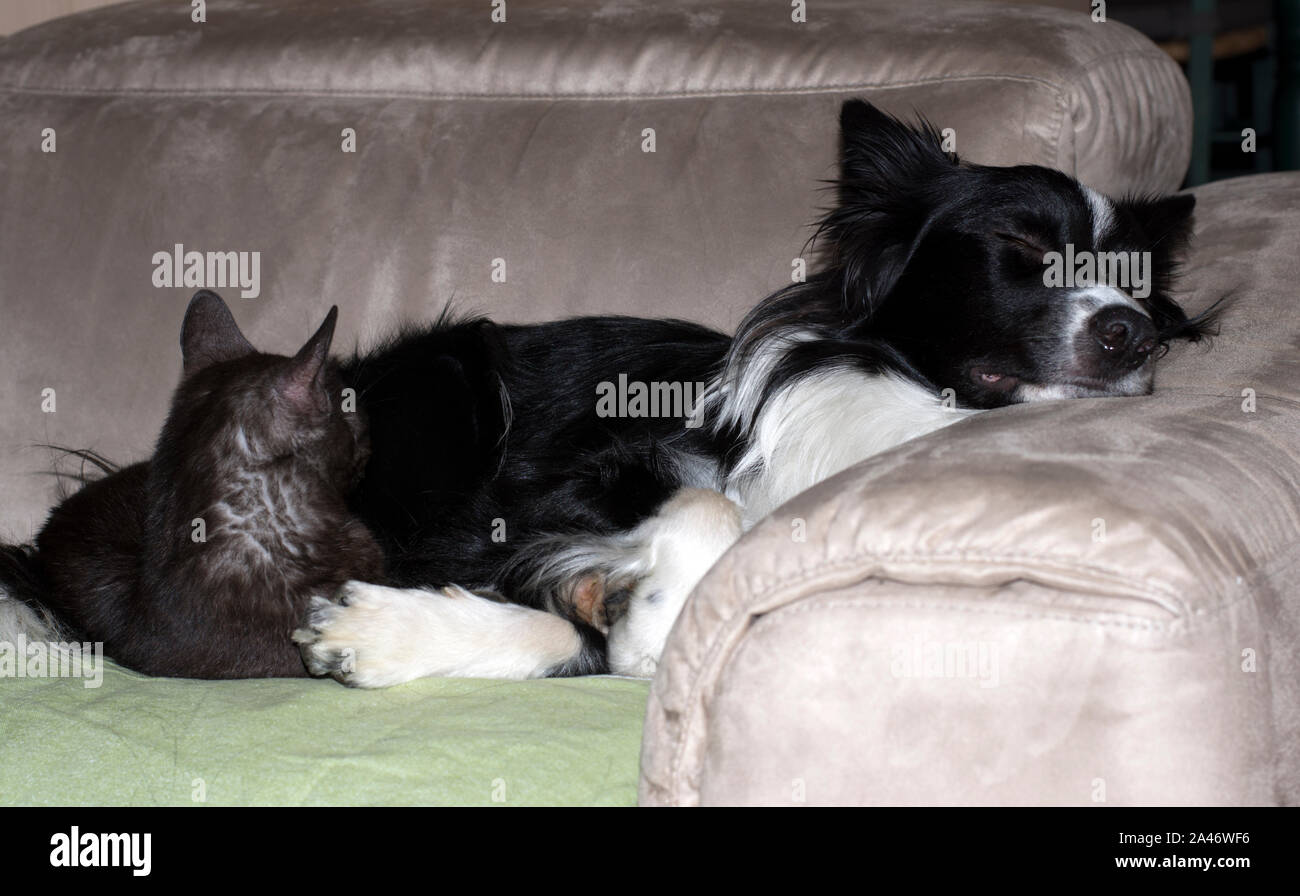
{"x":1004,"y":284}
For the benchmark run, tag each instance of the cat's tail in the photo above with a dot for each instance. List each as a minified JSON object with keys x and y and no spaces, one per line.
{"x":23,"y":589}
{"x":24,"y":586}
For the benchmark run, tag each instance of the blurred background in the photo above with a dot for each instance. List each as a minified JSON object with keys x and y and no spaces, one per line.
{"x":1241,"y":57}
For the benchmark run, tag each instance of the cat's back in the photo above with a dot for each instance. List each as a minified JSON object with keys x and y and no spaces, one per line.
{"x":90,"y":547}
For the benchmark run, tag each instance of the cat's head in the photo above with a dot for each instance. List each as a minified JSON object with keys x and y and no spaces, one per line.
{"x":243,"y":408}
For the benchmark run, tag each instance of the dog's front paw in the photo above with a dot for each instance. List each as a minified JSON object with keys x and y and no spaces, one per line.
{"x":373,"y":637}
{"x":356,"y":638}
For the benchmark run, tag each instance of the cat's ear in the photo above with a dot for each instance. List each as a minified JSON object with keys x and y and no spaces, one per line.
{"x":300,"y":383}
{"x":209,"y":334}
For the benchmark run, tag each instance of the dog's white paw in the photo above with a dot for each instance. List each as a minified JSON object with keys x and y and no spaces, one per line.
{"x":357,"y":638}
{"x":687,"y":536}
{"x":373,"y":636}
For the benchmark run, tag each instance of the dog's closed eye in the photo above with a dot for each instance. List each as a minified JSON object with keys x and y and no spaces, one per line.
{"x":1027,"y":246}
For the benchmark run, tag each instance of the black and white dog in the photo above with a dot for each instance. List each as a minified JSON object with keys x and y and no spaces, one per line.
{"x":934,"y":283}
{"x":526,"y":533}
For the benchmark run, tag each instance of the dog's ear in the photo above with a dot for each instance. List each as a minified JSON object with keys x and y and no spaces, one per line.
{"x":300,"y":383}
{"x":1163,"y":227}
{"x":1163,"y":224}
{"x":879,"y":151}
{"x":209,"y":334}
{"x":890,"y":174}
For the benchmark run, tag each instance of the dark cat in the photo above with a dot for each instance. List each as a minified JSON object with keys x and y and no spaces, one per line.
{"x":201,"y":562}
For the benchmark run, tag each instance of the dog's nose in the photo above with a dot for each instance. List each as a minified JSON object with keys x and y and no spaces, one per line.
{"x":1126,"y":337}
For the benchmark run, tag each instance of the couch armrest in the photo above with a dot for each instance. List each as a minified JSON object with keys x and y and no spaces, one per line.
{"x":1035,"y":607}
{"x":1069,"y":603}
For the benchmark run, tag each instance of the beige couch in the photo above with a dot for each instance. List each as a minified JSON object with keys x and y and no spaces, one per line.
{"x":1119,"y":660}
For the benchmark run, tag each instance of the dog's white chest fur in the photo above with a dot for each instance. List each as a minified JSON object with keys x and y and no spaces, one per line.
{"x":827,"y":422}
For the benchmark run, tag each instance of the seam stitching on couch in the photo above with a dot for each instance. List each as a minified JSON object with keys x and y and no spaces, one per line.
{"x":1153,"y":592}
{"x":200,"y":92}
{"x":1123,"y":54}
{"x":811,"y":605}
{"x":1063,"y":121}
{"x":1178,"y":626}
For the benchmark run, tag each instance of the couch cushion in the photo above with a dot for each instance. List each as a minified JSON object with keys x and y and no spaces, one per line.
{"x":1127,"y":566}
{"x":136,"y":740}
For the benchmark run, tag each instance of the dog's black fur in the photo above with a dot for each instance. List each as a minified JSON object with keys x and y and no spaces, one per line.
{"x":474,"y":423}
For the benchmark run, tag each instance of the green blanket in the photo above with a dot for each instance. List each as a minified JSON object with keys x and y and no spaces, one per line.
{"x":153,"y":741}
